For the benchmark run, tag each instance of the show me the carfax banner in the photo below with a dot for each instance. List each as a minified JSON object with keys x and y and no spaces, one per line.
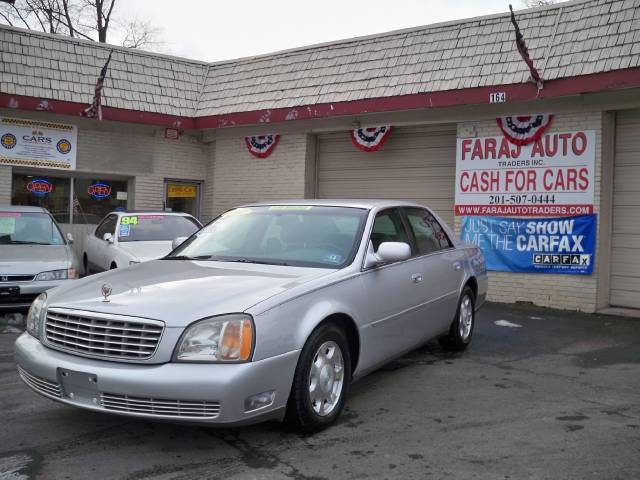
{"x":35,"y":143}
{"x":554,"y":176}
{"x":543,"y":245}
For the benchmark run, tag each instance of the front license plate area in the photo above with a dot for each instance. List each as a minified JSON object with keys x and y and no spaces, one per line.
{"x":9,"y":293}
{"x":81,"y":387}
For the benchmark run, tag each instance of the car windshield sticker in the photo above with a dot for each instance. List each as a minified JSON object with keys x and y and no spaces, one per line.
{"x":125,"y":230}
{"x":129,"y":220}
{"x":7,"y":224}
{"x":333,"y":258}
{"x":291,"y":207}
{"x":151,"y":217}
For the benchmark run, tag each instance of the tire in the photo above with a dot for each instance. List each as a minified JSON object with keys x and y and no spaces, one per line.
{"x":113,"y":266}
{"x":461,"y":331}
{"x":306,"y":411}
{"x":85,"y":265}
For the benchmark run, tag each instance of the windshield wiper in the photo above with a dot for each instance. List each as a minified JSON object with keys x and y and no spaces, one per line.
{"x":186,"y":257}
{"x":24,"y":242}
{"x":259,"y":262}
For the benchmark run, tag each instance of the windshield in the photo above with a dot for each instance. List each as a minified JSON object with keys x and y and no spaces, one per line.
{"x":308,"y":236}
{"x":148,"y":228}
{"x":18,"y":228}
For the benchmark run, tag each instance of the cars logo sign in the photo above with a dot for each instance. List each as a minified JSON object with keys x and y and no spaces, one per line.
{"x":99,"y":190}
{"x":40,"y":187}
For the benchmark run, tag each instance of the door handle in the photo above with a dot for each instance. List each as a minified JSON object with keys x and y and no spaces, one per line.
{"x":457,"y":266}
{"x":416,"y":278}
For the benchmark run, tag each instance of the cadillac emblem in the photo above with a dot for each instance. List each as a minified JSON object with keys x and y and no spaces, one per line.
{"x":106,"y":292}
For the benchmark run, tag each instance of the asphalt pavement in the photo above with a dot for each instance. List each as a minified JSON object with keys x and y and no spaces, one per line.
{"x":542,"y":394}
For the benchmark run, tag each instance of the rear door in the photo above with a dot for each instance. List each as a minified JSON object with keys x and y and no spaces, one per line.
{"x":443,"y":267}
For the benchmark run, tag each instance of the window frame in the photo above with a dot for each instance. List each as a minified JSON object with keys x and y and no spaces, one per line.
{"x":102,"y":222}
{"x":408,"y":232}
{"x":405,"y":216}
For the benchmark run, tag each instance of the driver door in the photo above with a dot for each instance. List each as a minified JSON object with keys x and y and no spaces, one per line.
{"x":97,"y":247}
{"x":391,"y":296}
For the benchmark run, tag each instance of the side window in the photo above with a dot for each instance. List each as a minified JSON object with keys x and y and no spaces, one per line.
{"x":429,"y":234}
{"x":108,"y":225}
{"x":388,"y":227}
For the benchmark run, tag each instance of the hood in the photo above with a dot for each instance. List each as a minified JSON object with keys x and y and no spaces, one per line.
{"x":145,"y":251}
{"x":33,"y":259}
{"x":180,"y":292}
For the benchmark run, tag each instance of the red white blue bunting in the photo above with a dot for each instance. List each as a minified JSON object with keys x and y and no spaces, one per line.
{"x":370,"y":139}
{"x":261,"y":146}
{"x":524,"y":129}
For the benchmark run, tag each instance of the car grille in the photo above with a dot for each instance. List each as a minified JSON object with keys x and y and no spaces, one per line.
{"x":161,"y":407}
{"x":16,"y":278}
{"x":102,"y":335}
{"x":40,"y":385}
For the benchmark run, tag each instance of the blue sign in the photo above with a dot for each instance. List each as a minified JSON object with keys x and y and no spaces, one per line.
{"x":541,"y":245}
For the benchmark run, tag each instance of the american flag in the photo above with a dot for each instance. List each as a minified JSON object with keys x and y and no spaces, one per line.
{"x":95,"y":109}
{"x":524,"y":52}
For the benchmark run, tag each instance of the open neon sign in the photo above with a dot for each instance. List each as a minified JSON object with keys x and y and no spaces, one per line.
{"x":99,"y":190}
{"x":40,"y":187}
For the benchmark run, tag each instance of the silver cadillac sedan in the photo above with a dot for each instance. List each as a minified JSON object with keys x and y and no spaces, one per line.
{"x":268,"y":312}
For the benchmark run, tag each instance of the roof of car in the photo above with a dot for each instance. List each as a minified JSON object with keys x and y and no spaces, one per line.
{"x":22,"y":209}
{"x":353,"y":203}
{"x":149,"y":212}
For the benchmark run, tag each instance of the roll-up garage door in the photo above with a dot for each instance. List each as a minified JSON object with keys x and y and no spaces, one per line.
{"x":416,"y":164}
{"x":625,"y":254}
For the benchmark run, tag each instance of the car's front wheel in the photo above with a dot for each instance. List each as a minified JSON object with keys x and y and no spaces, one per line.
{"x":459,"y":335}
{"x":321,"y":380}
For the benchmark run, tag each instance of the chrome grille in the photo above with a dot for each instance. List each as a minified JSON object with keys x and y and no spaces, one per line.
{"x":40,"y":385}
{"x":161,"y":407}
{"x":102,"y":335}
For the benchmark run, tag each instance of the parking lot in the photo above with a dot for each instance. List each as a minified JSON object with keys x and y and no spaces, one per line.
{"x":542,"y":394}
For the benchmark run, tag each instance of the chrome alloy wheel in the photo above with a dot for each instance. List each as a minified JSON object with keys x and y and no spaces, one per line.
{"x":326,"y":378}
{"x":465,"y":322}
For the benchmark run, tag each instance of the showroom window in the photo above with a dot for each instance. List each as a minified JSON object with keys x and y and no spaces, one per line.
{"x":52,"y":193}
{"x":96,"y":197}
{"x":93,"y":198}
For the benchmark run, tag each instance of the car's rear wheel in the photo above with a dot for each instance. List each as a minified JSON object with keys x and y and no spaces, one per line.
{"x":461,"y":330}
{"x":113,"y":266}
{"x":321,"y":380}
{"x":85,"y":264}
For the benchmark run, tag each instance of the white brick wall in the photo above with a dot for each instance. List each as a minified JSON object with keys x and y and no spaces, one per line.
{"x":574,"y":292}
{"x":239,"y":177}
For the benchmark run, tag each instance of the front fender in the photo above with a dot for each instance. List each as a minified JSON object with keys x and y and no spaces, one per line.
{"x":286,"y":327}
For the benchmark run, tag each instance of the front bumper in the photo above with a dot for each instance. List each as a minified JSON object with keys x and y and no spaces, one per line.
{"x":28,"y":292}
{"x":178,"y":392}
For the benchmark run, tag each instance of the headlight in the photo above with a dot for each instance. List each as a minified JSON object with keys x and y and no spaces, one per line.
{"x":67,"y":273}
{"x":36,"y":314}
{"x":228,"y":338}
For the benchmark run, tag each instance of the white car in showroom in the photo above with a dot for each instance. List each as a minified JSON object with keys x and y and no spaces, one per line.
{"x":127,"y":238}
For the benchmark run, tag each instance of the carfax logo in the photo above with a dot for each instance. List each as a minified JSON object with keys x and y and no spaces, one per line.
{"x":8,"y":140}
{"x":64,"y":146}
{"x":578,"y":260}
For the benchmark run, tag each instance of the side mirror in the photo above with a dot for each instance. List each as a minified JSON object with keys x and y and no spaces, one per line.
{"x":387,"y":252}
{"x":69,"y":238}
{"x":108,"y":237}
{"x":177,"y":242}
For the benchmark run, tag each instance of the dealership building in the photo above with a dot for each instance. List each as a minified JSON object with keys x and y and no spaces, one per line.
{"x":176,"y":133}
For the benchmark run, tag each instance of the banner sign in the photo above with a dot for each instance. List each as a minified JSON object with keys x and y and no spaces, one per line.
{"x":548,"y":245}
{"x":33,"y":143}
{"x":553,"y":176}
{"x":370,"y":139}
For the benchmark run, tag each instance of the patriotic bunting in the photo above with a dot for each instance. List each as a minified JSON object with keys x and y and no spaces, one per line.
{"x":370,"y":139}
{"x":261,"y":146}
{"x":524,"y":129}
